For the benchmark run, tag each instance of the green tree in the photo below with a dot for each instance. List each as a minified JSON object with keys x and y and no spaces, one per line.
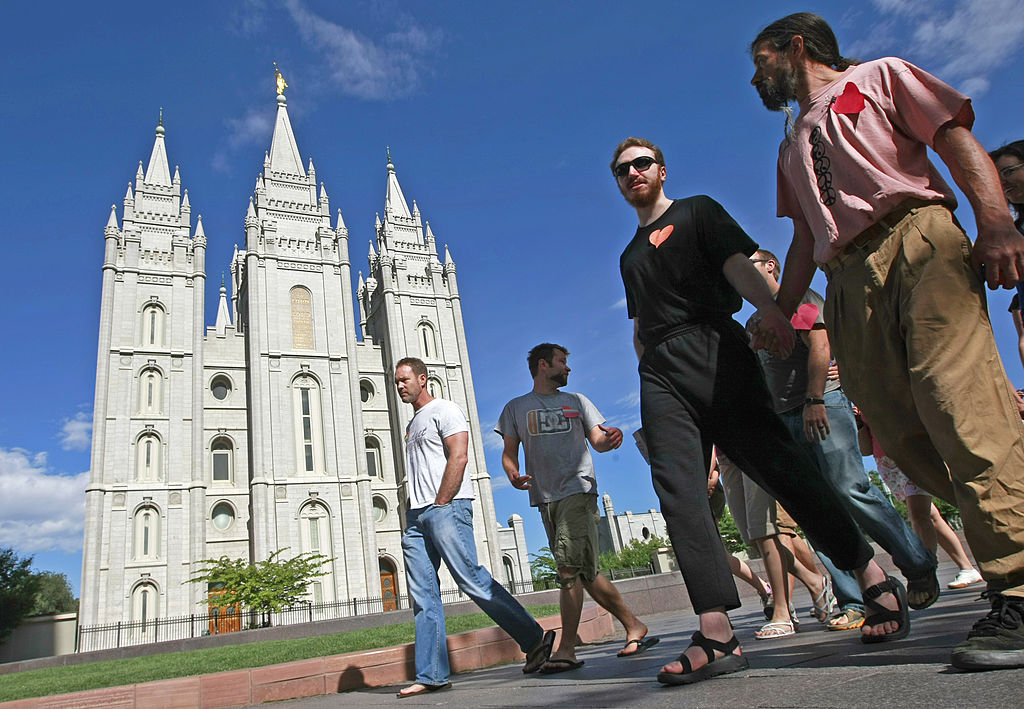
{"x":264,"y":587}
{"x":543,"y":569}
{"x":730,"y":534}
{"x":54,"y":595}
{"x":18,"y":587}
{"x":636,"y":554}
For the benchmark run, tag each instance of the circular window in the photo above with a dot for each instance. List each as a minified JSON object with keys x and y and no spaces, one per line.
{"x":365,"y":391}
{"x":223,"y":515}
{"x":220,"y":387}
{"x":380,"y":508}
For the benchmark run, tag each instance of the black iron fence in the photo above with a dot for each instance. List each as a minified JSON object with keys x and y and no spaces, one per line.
{"x":123,"y":634}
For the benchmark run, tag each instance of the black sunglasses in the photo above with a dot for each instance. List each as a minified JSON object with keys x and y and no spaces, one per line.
{"x":641,"y":163}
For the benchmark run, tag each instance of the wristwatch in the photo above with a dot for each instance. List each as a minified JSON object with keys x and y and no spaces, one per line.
{"x":811,"y":400}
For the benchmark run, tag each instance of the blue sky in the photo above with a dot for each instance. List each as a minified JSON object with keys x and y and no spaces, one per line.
{"x":501,"y":120}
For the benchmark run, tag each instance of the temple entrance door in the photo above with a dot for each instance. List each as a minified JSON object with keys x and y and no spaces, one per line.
{"x":388,"y":587}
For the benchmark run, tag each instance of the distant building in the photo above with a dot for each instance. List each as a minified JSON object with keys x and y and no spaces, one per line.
{"x":277,"y":427}
{"x":614,"y":532}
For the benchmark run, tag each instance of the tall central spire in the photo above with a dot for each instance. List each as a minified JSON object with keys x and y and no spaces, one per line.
{"x":284,"y":153}
{"x":158,"y":172}
{"x":395,"y":200}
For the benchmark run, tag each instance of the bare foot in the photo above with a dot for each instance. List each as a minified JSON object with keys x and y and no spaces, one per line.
{"x":633,"y":634}
{"x":872,"y":575}
{"x":697,"y":658}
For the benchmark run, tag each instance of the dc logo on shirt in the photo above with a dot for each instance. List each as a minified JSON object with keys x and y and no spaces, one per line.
{"x":542,"y":422}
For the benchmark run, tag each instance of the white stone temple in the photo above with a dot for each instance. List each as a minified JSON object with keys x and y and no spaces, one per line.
{"x":278,"y":427}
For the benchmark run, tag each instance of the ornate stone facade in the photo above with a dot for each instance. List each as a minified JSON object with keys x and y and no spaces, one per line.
{"x":278,"y":427}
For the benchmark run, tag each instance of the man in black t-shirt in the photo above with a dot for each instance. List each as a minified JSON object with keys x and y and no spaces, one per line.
{"x":685,"y":272}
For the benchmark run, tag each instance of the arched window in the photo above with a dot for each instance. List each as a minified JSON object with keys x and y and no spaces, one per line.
{"x":315,"y":535}
{"x":145,"y":609}
{"x":147,"y":457}
{"x":308,"y":425}
{"x":510,"y":576}
{"x":146,"y":534}
{"x":373,"y":457}
{"x":150,"y":391}
{"x":428,"y":343}
{"x":302,"y":318}
{"x":222,"y":453}
{"x":434,"y":387}
{"x":153,"y":326}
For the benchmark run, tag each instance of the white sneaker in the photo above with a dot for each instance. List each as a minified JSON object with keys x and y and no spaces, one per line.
{"x":965,"y":578}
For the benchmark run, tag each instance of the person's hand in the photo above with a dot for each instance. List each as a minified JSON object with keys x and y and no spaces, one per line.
{"x":520,"y":482}
{"x":833,"y":371}
{"x":998,"y":256}
{"x":1018,"y":399}
{"x":816,"y":422}
{"x":713,"y":480}
{"x":773,"y":332}
{"x":612,"y":435}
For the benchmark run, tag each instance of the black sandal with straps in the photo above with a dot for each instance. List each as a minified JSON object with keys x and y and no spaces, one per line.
{"x":880,"y":614}
{"x":723,"y":665}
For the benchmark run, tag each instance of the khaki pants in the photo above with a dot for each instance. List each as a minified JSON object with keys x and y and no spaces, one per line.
{"x":909,"y":327}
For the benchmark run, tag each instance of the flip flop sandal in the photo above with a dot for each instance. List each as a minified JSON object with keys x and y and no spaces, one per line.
{"x":425,"y":689}
{"x":553,"y":667}
{"x":880,"y":614}
{"x":825,"y":603}
{"x":723,"y":665}
{"x":779,"y":629}
{"x":929,"y":583}
{"x":540,"y":654}
{"x":642,"y":644}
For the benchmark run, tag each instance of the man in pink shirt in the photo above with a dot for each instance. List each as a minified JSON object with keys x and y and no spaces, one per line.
{"x":905,"y":306}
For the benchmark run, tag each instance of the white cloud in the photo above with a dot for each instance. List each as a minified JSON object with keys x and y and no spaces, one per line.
{"x":631,"y":399}
{"x":39,"y":510}
{"x":76,"y":433}
{"x":618,"y":304}
{"x":358,"y":65}
{"x":500,"y":481}
{"x":961,"y":42}
{"x":492,"y":441}
{"x":254,"y":127}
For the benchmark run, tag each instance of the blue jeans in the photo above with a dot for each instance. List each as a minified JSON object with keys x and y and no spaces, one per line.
{"x":437,"y":532}
{"x":843,"y":468}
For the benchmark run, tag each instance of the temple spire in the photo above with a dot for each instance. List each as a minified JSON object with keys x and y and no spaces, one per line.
{"x":284,"y":152}
{"x":223,"y":314}
{"x":395,"y":201}
{"x":158,"y":172}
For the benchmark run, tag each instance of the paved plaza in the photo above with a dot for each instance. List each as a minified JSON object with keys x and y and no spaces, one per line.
{"x":814,"y":668}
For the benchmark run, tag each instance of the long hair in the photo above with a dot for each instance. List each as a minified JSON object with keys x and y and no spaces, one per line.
{"x":1014,"y":149}
{"x":819,"y":39}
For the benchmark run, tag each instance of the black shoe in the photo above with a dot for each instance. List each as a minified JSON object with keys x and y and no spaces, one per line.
{"x":996,"y":642}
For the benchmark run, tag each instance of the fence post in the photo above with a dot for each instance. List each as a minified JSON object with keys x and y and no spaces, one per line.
{"x":310,"y":606}
{"x":118,"y":634}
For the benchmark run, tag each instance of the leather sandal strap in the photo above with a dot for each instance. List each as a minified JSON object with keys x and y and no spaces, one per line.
{"x":887,"y":586}
{"x":709,"y":646}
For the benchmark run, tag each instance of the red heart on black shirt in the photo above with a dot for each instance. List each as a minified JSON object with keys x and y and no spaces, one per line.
{"x":658,"y":236}
{"x":850,"y":101}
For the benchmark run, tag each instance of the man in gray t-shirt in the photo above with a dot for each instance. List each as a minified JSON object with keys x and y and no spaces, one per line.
{"x":554,"y":428}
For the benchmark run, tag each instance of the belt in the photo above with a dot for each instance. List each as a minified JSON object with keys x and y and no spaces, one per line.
{"x":870,"y":238}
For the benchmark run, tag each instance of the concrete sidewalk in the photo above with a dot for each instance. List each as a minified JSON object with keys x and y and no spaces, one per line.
{"x":814,"y":668}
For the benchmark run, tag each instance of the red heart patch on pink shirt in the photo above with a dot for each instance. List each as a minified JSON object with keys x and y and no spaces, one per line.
{"x":850,"y":101}
{"x":658,"y":236}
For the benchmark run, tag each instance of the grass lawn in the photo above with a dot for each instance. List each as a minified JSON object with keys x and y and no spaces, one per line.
{"x":113,"y":673}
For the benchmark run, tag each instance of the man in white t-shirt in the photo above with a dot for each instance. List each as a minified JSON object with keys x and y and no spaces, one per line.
{"x":554,"y":427}
{"x":439,"y":526}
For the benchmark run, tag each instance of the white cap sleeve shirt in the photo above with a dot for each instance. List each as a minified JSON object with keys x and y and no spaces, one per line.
{"x":425,"y":453}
